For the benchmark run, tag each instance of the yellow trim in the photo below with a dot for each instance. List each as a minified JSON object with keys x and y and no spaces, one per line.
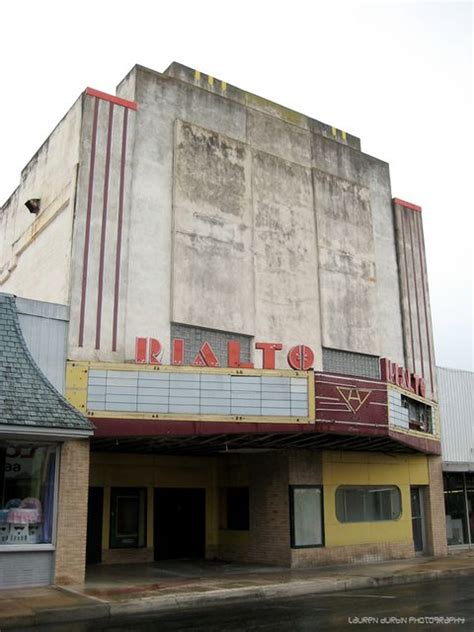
{"x":170,"y":368}
{"x":344,"y":135}
{"x":107,"y":414}
{"x":334,"y":131}
{"x":76,"y":391}
{"x":197,"y":75}
{"x":224,"y":86}
{"x":210,"y":80}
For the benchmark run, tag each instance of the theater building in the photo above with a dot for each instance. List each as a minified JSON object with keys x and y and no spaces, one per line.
{"x":249,"y":331}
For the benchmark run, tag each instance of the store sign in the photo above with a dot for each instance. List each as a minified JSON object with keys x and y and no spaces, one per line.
{"x":398,"y":375}
{"x":150,"y":350}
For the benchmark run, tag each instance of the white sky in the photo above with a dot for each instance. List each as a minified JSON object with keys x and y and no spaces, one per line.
{"x":398,"y":75}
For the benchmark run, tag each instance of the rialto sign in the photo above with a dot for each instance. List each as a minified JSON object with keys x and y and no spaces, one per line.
{"x":149,"y":351}
{"x":299,"y":358}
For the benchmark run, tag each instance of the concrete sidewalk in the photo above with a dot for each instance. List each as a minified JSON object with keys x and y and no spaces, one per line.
{"x":123,"y":590}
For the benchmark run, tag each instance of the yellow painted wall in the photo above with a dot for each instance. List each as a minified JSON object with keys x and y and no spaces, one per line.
{"x":141,"y":470}
{"x":366,"y":468}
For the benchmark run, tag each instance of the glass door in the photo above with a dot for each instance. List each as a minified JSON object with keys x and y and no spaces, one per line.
{"x":417,"y":518}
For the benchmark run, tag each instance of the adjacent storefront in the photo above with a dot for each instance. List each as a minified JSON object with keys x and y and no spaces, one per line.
{"x":42,"y":439}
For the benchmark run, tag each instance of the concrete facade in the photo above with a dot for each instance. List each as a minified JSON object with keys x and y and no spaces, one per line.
{"x":186,"y":207}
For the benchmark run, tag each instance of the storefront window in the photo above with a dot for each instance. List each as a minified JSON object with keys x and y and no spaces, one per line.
{"x":26,"y":493}
{"x":306,"y":506}
{"x":367,"y":504}
{"x":455,"y":507}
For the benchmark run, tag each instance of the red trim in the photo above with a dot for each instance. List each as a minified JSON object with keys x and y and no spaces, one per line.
{"x":424,"y":281}
{"x":113,"y":99}
{"x":103,"y":232}
{"x":85,"y":260}
{"x":420,"y":341}
{"x":118,"y":250}
{"x":150,"y":427}
{"x":402,"y":223}
{"x":409,"y":205}
{"x":426,"y":445}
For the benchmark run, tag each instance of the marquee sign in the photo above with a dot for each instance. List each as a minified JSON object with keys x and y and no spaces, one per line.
{"x":149,"y":351}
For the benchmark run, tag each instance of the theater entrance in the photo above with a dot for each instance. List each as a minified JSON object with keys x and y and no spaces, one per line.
{"x":179,"y":523}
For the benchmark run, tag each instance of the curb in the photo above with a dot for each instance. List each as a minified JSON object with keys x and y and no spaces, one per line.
{"x":169,"y":603}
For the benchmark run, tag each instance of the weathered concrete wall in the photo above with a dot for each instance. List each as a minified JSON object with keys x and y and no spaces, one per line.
{"x":35,"y":250}
{"x":101,"y":231}
{"x":212,"y":224}
{"x":352,"y":166}
{"x":215,"y":208}
{"x":347,"y":269}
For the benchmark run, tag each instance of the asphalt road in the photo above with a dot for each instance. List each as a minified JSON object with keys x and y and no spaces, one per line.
{"x":437,"y":605}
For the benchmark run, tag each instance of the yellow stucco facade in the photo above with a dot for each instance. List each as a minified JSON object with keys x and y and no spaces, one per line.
{"x":365,"y":468}
{"x":338,"y":468}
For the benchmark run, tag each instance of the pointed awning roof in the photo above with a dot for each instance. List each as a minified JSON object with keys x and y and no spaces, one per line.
{"x":27,"y":399}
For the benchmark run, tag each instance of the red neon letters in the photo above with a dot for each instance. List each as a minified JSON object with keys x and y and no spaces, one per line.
{"x":149,"y":350}
{"x":391,"y":372}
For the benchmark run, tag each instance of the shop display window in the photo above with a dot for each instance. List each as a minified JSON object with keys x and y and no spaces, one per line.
{"x":27,"y":483}
{"x":456,"y":510}
{"x":366,"y":503}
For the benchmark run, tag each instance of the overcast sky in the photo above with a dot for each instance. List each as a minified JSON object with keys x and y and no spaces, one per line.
{"x":396,"y":74}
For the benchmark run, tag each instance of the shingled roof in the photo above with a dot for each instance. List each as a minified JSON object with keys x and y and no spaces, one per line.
{"x":26,"y":396}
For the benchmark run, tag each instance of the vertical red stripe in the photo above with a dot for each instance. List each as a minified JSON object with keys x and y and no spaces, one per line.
{"x":103,"y":234}
{"x":402,"y":223}
{"x":85,"y":260}
{"x":118,"y":249}
{"x":424,"y":280}
{"x":410,"y":221}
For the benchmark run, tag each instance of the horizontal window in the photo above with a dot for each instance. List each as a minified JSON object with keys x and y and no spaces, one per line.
{"x":366,"y":503}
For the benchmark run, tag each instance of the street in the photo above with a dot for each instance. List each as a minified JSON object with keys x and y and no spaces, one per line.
{"x":436,"y":605}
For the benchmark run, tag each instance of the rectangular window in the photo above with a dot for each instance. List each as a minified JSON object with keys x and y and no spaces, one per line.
{"x":127,"y":517}
{"x":234,"y":508}
{"x":306,"y":516}
{"x":420,"y":416}
{"x":27,"y":489}
{"x":366,"y":503}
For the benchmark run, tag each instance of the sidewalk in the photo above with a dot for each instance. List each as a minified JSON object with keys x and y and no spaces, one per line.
{"x":121,"y":590}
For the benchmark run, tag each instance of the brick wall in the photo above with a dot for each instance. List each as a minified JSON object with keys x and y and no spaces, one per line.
{"x":355,"y":553}
{"x":435,"y":512}
{"x":70,"y":559}
{"x":268,"y":538}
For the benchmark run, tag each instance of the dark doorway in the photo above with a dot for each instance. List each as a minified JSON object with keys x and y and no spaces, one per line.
{"x":417,"y":518}
{"x":95,"y":506}
{"x":179,"y":523}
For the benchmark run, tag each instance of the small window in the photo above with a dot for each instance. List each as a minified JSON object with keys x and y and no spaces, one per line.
{"x":127,"y":517}
{"x":420,"y":415}
{"x":367,"y":503}
{"x":234,"y":508}
{"x":306,"y":516}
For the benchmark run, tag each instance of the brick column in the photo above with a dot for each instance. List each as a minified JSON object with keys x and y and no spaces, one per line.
{"x":71,"y":532}
{"x":436,"y":519}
